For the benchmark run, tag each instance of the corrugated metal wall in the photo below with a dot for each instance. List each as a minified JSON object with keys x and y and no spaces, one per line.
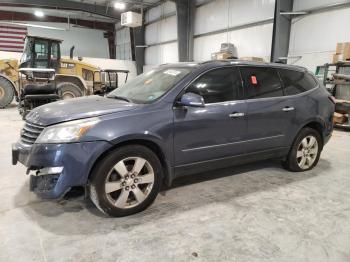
{"x":159,"y":31}
{"x":217,"y":15}
{"x":314,"y":37}
{"x":222,"y":14}
{"x":123,"y":43}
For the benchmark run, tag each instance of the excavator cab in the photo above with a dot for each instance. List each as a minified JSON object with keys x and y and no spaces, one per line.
{"x":41,"y":52}
{"x":39,"y":62}
{"x":43,"y":76}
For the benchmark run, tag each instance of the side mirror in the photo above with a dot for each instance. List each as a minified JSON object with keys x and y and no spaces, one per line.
{"x":192,"y":100}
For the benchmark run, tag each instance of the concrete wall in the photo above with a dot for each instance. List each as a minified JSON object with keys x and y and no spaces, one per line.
{"x":87,"y":42}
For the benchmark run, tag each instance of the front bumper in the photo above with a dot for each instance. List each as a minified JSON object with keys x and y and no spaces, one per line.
{"x":55,"y":168}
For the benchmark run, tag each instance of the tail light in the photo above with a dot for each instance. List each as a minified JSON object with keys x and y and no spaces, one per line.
{"x":333,"y":100}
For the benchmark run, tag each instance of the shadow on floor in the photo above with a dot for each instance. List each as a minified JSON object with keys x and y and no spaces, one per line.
{"x":80,"y":216}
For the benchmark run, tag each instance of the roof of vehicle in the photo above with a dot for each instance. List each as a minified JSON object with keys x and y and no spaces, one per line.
{"x":214,"y":63}
{"x":45,"y":38}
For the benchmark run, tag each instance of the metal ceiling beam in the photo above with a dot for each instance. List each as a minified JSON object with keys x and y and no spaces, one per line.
{"x":66,"y":5}
{"x":19,"y":16}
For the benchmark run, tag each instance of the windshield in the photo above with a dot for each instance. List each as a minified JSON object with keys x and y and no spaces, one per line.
{"x":149,"y":86}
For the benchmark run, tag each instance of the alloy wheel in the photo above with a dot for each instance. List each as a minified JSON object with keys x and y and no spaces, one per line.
{"x":129,"y":182}
{"x":307,"y":152}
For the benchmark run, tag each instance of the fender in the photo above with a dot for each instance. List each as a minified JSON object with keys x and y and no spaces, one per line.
{"x":79,"y":78}
{"x":315,"y":119}
{"x":156,"y":140}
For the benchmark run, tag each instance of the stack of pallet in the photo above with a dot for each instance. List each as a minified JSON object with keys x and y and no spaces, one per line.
{"x":342,"y":52}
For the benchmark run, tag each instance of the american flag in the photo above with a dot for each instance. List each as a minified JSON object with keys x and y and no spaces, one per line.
{"x":12,"y":38}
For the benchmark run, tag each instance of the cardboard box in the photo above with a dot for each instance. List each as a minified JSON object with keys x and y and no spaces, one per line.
{"x":337,"y":58}
{"x":339,"y":48}
{"x":222,"y":55}
{"x":344,"y":49}
{"x":252,"y":58}
{"x":339,"y":118}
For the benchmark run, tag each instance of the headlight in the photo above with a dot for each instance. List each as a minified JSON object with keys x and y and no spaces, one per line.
{"x":67,"y":132}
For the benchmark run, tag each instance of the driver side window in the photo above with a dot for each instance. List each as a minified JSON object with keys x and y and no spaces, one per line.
{"x":218,"y":85}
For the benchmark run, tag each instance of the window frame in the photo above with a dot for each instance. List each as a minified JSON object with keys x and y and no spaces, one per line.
{"x":183,"y":91}
{"x":35,"y":59}
{"x":262,"y":98}
{"x":317,"y":84}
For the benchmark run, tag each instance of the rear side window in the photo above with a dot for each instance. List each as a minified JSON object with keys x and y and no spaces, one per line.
{"x":218,"y":85}
{"x":261,"y":82}
{"x":296,"y":82}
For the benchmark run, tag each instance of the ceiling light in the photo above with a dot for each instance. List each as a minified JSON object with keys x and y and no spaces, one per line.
{"x":39,"y":13}
{"x":119,"y":5}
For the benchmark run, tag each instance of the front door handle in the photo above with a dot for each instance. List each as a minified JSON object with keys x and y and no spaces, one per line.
{"x":288,"y":108}
{"x":236,"y":115}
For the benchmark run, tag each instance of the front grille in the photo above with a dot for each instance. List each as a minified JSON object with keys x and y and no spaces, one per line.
{"x":30,"y":133}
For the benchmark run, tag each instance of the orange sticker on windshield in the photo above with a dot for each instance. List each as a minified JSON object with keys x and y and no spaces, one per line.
{"x":253,"y":80}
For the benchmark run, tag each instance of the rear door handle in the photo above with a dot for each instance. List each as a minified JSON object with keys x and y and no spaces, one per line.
{"x":288,"y":108}
{"x":236,"y":115}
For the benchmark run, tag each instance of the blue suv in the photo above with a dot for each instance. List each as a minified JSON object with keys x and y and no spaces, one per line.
{"x":175,"y":120}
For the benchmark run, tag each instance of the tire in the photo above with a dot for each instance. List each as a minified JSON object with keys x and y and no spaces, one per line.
{"x":69,"y":90}
{"x":118,"y":194}
{"x":306,"y":147}
{"x":7,"y":92}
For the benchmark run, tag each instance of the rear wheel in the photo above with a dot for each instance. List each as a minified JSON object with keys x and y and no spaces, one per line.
{"x":126,"y":181}
{"x":305,"y":152}
{"x":69,"y":90}
{"x":6,"y":92}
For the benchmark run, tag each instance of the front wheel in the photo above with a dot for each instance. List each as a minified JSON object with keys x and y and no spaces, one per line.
{"x":69,"y":90}
{"x":305,"y":152}
{"x":126,"y":181}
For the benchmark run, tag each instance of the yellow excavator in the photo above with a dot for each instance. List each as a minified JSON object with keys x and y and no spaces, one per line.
{"x":41,"y":71}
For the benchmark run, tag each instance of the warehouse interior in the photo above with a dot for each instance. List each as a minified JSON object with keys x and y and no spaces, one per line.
{"x":253,"y":211}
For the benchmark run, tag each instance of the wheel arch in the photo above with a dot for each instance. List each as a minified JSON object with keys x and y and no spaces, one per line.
{"x":148,"y":143}
{"x":316,"y":124}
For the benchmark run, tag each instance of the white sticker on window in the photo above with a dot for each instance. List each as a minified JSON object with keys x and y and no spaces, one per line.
{"x":172,"y":72}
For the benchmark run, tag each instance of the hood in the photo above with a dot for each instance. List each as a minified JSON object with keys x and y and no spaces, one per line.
{"x":77,"y":108}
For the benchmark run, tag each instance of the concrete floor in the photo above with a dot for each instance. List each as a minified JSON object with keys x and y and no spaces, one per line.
{"x":256,"y":212}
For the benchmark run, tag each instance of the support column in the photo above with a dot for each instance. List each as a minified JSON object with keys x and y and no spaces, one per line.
{"x":139,"y":47}
{"x":281,"y":30}
{"x":185,"y":10}
{"x":110,"y":35}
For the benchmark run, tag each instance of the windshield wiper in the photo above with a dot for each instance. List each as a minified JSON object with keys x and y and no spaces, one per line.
{"x":120,"y":98}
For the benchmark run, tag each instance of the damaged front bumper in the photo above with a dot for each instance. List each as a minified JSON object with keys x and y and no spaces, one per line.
{"x":55,"y":168}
